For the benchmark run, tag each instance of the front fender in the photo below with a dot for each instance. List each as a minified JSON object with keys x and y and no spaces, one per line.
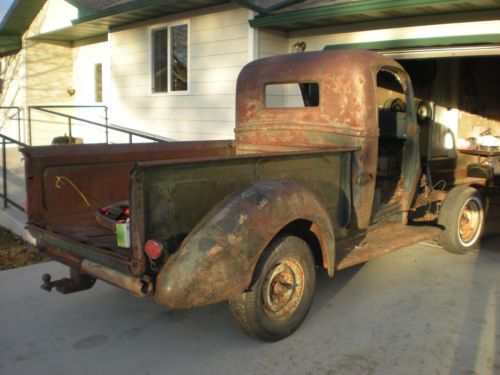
{"x":215,"y":262}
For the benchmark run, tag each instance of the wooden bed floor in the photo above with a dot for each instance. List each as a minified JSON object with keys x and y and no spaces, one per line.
{"x":83,"y":227}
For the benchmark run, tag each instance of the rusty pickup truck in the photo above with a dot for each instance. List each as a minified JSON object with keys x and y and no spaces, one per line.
{"x":324,"y":172}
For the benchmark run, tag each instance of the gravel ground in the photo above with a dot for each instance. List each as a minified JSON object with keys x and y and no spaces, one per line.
{"x":14,"y":252}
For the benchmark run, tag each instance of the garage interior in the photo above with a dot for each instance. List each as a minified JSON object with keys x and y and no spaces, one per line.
{"x":461,"y":94}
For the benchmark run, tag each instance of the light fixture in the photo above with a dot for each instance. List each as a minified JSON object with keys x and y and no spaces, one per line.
{"x":299,"y":47}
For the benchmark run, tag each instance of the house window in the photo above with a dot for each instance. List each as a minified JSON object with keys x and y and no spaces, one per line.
{"x":160,"y":64}
{"x":98,"y":83}
{"x":170,"y":58}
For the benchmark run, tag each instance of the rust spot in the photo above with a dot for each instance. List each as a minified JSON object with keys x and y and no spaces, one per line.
{"x":234,"y":239}
{"x":242,"y":219}
{"x":263,"y":203}
{"x":215,"y":250}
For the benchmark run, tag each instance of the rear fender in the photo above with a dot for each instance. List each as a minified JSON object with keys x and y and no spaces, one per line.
{"x":216,"y":260}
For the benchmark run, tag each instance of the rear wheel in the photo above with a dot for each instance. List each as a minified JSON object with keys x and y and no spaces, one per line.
{"x":282,"y":291}
{"x":462,"y":218}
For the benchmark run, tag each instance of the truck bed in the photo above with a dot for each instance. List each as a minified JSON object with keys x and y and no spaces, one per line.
{"x":67,"y":184}
{"x":170,"y":187}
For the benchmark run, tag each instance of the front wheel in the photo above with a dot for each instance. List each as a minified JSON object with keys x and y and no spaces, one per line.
{"x":282,"y":291}
{"x":462,"y":218}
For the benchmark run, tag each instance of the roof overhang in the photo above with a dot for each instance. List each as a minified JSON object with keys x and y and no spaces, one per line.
{"x":100,"y":23}
{"x":72,"y":33}
{"x":9,"y":44}
{"x":15,"y":22}
{"x":19,"y":16}
{"x":352,"y":12}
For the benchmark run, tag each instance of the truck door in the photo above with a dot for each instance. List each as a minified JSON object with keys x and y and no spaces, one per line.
{"x":398,"y":161}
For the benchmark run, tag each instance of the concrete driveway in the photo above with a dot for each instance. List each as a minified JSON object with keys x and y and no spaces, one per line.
{"x":416,"y":311}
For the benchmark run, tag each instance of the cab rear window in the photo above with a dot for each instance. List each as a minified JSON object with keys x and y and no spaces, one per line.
{"x":292,"y":95}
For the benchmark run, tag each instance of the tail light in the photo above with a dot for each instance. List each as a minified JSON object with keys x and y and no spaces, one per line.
{"x":153,"y":249}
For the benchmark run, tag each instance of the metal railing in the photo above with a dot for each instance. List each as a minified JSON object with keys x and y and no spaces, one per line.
{"x":4,"y":195}
{"x":6,"y":140}
{"x":71,"y":119}
{"x":50,"y":109}
{"x":18,"y":113}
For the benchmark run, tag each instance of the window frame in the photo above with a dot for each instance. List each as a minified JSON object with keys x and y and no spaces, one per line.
{"x":310,"y":107}
{"x":90,"y":86}
{"x":95,"y":64}
{"x":168,"y":26}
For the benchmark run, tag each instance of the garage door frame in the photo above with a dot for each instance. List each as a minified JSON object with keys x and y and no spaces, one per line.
{"x":424,"y":48}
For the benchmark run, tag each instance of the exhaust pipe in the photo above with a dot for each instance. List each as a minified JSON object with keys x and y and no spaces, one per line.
{"x":140,"y":287}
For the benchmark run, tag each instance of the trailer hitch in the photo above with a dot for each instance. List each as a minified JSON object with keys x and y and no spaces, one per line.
{"x":76,"y":282}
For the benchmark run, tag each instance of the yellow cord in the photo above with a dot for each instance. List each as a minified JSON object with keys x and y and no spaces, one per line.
{"x":61,"y":179}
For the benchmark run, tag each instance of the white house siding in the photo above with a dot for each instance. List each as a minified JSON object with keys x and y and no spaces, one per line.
{"x":13,"y":94}
{"x":38,"y":74}
{"x":219,"y":48}
{"x":55,"y":14}
{"x":48,"y":78}
{"x":86,"y":54}
{"x":271,"y":43}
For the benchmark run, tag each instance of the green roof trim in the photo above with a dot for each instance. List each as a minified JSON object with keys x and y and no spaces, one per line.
{"x":249,"y":5}
{"x":19,"y":16}
{"x":362,"y":11}
{"x":169,"y":7}
{"x":82,"y":9}
{"x":16,"y":21}
{"x":420,"y":42}
{"x":9,"y":44}
{"x":99,"y":23}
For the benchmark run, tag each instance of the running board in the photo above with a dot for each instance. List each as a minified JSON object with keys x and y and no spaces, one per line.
{"x":380,"y":240}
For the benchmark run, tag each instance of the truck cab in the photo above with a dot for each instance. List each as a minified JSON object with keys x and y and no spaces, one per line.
{"x":272,"y":115}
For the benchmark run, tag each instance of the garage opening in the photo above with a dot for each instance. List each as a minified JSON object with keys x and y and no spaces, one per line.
{"x":458,"y":108}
